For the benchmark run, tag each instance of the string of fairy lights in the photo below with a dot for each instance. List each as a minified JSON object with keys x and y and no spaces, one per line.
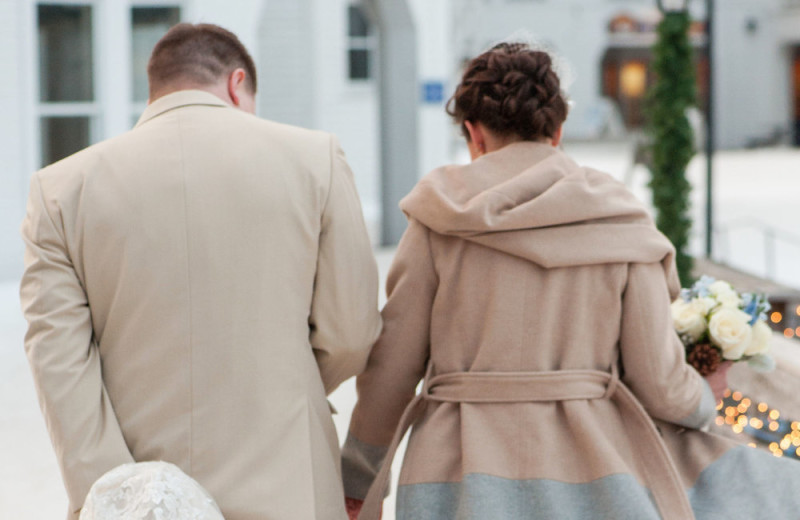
{"x":760,"y":422}
{"x":763,"y":424}
{"x":777,"y":319}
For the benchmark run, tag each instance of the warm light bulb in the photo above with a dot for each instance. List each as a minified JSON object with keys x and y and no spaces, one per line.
{"x":633,"y":79}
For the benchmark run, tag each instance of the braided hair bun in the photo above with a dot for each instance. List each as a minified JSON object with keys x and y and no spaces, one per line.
{"x":512,"y":90}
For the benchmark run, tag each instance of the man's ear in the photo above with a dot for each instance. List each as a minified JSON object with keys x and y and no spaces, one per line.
{"x":235,"y":83}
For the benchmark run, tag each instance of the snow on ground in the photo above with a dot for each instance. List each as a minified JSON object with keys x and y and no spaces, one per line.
{"x":752,"y":188}
{"x":754,"y":191}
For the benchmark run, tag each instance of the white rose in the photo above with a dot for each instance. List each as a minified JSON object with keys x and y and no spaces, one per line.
{"x":759,"y":343}
{"x":724,"y":294}
{"x":730,"y":330}
{"x":689,"y":317}
{"x":706,"y":304}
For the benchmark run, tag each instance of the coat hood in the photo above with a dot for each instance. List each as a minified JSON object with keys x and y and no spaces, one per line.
{"x":532,"y":201}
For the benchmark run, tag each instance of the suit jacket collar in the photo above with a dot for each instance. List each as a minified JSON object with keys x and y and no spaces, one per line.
{"x":179,"y":99}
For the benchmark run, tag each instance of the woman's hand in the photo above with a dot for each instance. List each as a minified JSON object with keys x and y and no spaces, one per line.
{"x":353,"y":507}
{"x":718,"y":379}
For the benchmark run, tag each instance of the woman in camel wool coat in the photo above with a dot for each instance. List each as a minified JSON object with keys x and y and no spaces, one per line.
{"x":532,"y":297}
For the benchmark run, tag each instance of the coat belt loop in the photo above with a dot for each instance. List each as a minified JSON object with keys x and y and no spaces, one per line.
{"x":612,"y":383}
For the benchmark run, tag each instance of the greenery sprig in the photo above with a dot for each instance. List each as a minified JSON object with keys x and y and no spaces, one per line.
{"x":671,"y":134}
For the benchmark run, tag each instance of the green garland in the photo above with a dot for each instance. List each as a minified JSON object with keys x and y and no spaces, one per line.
{"x":671,"y":134}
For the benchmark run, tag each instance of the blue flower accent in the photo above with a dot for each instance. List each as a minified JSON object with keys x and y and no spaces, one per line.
{"x":756,"y":305}
{"x":751,"y":307}
{"x":700,"y":287}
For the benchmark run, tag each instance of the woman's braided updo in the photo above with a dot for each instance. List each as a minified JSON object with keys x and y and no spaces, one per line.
{"x":512,"y":90}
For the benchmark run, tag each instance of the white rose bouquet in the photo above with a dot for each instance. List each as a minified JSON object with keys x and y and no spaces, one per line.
{"x":716,"y":323}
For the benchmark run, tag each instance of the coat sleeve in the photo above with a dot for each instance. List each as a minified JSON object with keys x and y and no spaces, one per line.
{"x":397,"y":362}
{"x":653,"y":357}
{"x":344,"y":320}
{"x":64,"y":360}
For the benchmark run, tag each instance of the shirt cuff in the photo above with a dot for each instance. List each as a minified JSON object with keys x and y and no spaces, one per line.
{"x":361,"y":463}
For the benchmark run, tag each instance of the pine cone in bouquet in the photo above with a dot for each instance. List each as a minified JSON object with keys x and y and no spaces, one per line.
{"x":704,"y":357}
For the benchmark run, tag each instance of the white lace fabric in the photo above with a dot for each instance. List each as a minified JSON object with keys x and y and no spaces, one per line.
{"x":148,"y":491}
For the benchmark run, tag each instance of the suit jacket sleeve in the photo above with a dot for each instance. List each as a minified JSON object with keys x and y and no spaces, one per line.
{"x":344,"y":317}
{"x":653,"y":356}
{"x":64,"y":360}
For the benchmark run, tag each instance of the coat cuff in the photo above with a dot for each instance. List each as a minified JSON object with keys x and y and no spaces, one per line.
{"x":704,"y":414}
{"x":361,"y":463}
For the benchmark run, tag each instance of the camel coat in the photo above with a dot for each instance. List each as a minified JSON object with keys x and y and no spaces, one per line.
{"x":532,"y":296}
{"x":194,"y":288}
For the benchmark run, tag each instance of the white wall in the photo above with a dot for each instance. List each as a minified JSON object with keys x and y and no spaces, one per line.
{"x":436,"y":63}
{"x":14,"y":129}
{"x":748,"y":67}
{"x":348,"y":109}
{"x":287,"y":91}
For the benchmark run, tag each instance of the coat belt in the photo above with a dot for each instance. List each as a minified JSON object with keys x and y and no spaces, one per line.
{"x":660,"y":473}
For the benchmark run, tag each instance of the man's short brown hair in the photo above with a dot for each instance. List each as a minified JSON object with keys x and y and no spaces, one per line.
{"x":198,"y":53}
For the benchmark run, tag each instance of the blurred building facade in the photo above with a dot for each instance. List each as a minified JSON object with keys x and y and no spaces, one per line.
{"x":756,"y":59}
{"x":76,"y":74}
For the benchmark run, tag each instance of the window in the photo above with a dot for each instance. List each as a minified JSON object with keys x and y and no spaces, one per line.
{"x":148,"y":26}
{"x":360,"y":44}
{"x":66,"y":79}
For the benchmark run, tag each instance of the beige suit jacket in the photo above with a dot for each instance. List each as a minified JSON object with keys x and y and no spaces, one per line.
{"x":194,"y":288}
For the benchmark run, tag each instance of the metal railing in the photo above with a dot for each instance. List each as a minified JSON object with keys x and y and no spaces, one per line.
{"x":771,"y":237}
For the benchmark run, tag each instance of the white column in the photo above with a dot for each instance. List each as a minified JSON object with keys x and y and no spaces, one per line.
{"x":399,"y":92}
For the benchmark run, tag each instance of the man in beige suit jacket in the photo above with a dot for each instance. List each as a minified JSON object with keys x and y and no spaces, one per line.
{"x":195,"y":287}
